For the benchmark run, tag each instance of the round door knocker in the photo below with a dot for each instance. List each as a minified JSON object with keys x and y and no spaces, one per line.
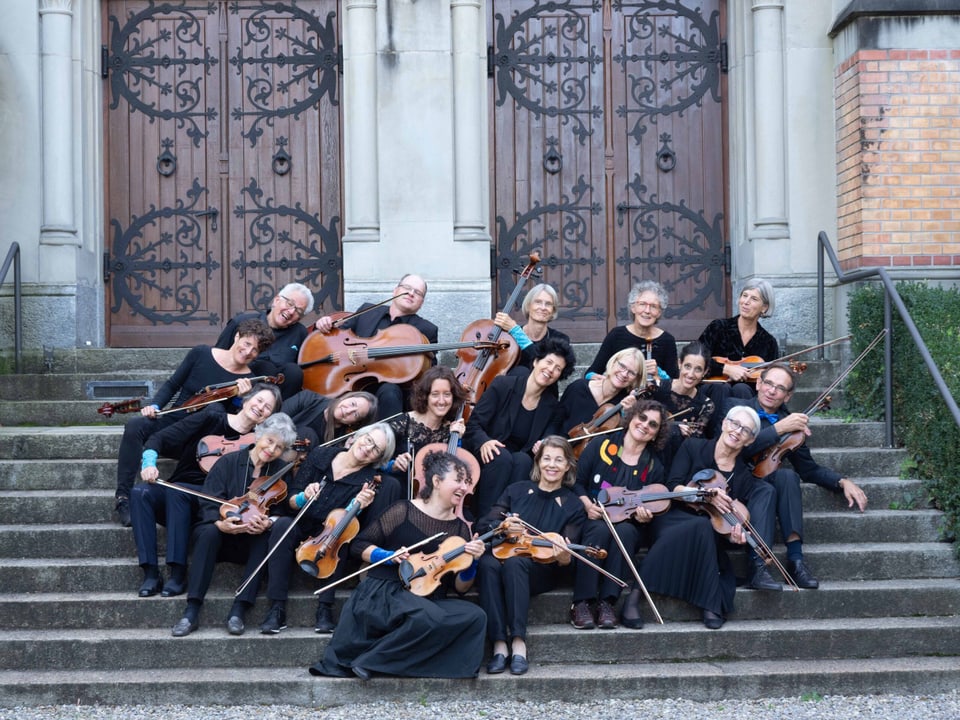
{"x":281,"y":162}
{"x":552,"y":159}
{"x":166,"y":161}
{"x":666,"y":157}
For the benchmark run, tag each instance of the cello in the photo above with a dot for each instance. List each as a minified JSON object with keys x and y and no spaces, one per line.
{"x":453,"y":448}
{"x":340,"y":361}
{"x":476,"y":370}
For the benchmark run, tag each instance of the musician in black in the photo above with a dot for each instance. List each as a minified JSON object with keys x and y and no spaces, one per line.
{"x":774,"y":390}
{"x":409,"y":295}
{"x":236,"y":537}
{"x":286,"y":310}
{"x":335,"y":477}
{"x":202,"y":366}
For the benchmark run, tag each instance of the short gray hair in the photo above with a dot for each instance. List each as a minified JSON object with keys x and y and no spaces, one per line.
{"x":302,"y":289}
{"x":536,"y":290}
{"x":766,"y":293}
{"x":389,"y":446}
{"x":745,"y":410}
{"x":649,"y":286}
{"x":279,"y":425}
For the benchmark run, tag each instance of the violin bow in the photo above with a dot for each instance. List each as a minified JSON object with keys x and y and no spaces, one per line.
{"x":395,"y":554}
{"x":823,"y":396}
{"x":338,"y":323}
{"x":626,"y":556}
{"x":575,"y":554}
{"x":188,"y":491}
{"x":804,"y":351}
{"x":410,"y":469}
{"x":286,"y":532}
{"x":341,"y":438}
{"x":617,"y":429}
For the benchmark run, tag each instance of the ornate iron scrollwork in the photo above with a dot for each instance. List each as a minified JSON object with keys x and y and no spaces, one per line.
{"x":314,"y":65}
{"x":140,"y":263}
{"x":520,"y":59}
{"x":514,"y":245}
{"x":695,"y":58}
{"x":316,"y":265}
{"x":700,"y":257}
{"x":135,"y":65}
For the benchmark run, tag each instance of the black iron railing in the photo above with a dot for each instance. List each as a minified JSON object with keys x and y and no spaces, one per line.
{"x":13,"y":258}
{"x":891,"y":299}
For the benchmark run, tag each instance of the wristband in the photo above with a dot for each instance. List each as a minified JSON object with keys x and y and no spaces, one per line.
{"x":149,"y":459}
{"x":378,"y":554}
{"x":517,"y":333}
{"x":470,"y":573}
{"x":663,"y":374}
{"x":155,"y":407}
{"x":589,"y":376}
{"x":300,"y":499}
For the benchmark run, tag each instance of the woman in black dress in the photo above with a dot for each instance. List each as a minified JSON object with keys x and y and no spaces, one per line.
{"x":512,"y":415}
{"x":241,"y":539}
{"x":335,"y":476}
{"x":686,"y":395}
{"x":540,"y":307}
{"x":737,"y":338}
{"x":647,"y":302}
{"x":550,"y":505}
{"x":582,"y":398}
{"x":627,"y":459}
{"x":385,"y":628}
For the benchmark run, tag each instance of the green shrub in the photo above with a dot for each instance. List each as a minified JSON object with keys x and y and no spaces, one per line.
{"x":922,"y":422}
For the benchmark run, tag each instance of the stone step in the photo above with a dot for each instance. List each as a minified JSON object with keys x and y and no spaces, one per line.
{"x":264,"y":685}
{"x":811,"y":639}
{"x":835,"y":599}
{"x":85,"y":568}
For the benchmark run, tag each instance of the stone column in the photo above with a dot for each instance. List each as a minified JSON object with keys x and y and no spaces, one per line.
{"x":469,"y":169}
{"x":59,"y":225}
{"x":361,"y":202}
{"x":769,"y":123}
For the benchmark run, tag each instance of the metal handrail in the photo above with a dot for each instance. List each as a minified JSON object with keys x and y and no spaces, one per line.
{"x":890,"y":296}
{"x":13,"y":256}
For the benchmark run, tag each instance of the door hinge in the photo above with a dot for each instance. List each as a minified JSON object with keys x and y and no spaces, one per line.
{"x":490,"y":63}
{"x":104,"y":62}
{"x":106,"y":266}
{"x":726,"y":260}
{"x":724,"y":57}
{"x":493,"y":262}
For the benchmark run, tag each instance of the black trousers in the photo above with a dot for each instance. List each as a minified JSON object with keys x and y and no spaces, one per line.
{"x":505,"y":592}
{"x":211,"y":546}
{"x":789,"y":507}
{"x":588,"y":584}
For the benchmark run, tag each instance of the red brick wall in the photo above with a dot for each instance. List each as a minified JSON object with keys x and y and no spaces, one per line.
{"x":898,"y":158}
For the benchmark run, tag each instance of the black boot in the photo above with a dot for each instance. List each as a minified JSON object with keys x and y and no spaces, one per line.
{"x":325,"y":623}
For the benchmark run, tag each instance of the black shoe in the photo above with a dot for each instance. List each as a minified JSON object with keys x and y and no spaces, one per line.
{"x":361,"y":673}
{"x":122,"y":508}
{"x":518,"y":665}
{"x":497,"y":664}
{"x":761,"y":580}
{"x":630,"y":614}
{"x":581,"y":616}
{"x":235,"y":625}
{"x":275,"y":622}
{"x":150,"y":586}
{"x":184,"y":627}
{"x":173,"y":587}
{"x":801,"y":575}
{"x":606,"y":617}
{"x":325,"y":624}
{"x":712,"y":620}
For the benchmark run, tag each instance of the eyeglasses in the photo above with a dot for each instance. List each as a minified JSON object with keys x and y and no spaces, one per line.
{"x":412,"y":290}
{"x":738,"y":428}
{"x":370,"y":444}
{"x":654,"y":307}
{"x":773,"y":386}
{"x":649,"y":422}
{"x":621,"y":368}
{"x":291,"y":305}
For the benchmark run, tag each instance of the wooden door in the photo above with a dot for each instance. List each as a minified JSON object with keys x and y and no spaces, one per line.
{"x":223,"y":162}
{"x":607,"y":129}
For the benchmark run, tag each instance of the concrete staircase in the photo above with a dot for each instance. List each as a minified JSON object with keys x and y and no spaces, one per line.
{"x":885,"y":619}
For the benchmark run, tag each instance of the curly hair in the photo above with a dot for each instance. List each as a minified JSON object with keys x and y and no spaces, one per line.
{"x":559,"y":347}
{"x":258,"y":330}
{"x":421,"y":390}
{"x":438,"y":464}
{"x":642,"y":406}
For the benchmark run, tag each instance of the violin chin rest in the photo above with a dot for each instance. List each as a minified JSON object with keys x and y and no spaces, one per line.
{"x":603,"y":497}
{"x":406,"y":572}
{"x":702,"y":476}
{"x":310,"y":568}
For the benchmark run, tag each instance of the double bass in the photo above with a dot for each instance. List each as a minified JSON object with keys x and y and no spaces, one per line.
{"x":477,"y":369}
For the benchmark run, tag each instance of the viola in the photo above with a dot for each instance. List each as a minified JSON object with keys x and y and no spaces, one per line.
{"x":476,"y":370}
{"x":320,"y":554}
{"x":207,"y":396}
{"x":621,"y":503}
{"x":545,"y":548}
{"x":423,"y":572}
{"x":453,"y":448}
{"x":340,"y":361}
{"x":263,"y":493}
{"x":212,"y":447}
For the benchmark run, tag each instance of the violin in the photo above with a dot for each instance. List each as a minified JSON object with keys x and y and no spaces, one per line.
{"x":757,"y":363}
{"x":476,"y":370}
{"x":319,"y":555}
{"x":453,"y":448}
{"x":724,"y":522}
{"x":607,"y":417}
{"x":621,"y":503}
{"x":545,"y":548}
{"x":264,"y":493}
{"x":340,"y":361}
{"x":423,"y":572}
{"x":207,"y":396}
